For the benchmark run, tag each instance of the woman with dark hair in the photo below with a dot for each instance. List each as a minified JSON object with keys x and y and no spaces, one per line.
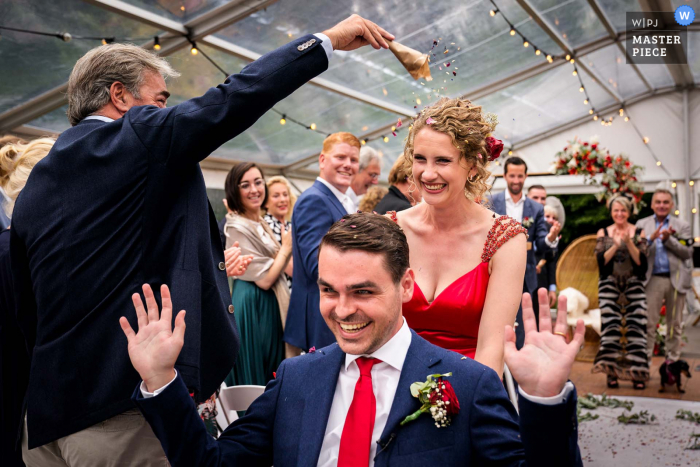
{"x":622,"y":263}
{"x":260,"y":296}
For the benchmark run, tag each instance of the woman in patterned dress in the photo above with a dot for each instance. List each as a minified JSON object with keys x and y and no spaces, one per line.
{"x":279,"y":207}
{"x":469,"y":263}
{"x":622,"y":263}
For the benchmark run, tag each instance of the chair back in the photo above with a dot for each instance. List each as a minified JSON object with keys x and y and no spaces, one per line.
{"x":238,"y":398}
{"x":578,"y":268}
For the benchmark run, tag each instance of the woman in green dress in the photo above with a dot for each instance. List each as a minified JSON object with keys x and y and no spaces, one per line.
{"x":260,"y":296}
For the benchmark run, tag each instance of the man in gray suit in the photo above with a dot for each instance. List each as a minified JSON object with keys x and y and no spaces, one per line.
{"x":669,"y":254}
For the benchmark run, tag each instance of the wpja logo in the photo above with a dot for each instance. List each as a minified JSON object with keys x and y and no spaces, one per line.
{"x":684,"y":15}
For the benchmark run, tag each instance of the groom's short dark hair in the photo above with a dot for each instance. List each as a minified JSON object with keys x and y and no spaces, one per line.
{"x":372,"y":233}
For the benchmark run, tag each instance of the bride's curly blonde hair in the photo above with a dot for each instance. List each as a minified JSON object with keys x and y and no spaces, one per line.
{"x":468,"y":127}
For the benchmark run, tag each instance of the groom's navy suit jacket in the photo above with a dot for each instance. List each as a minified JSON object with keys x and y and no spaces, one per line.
{"x":286,"y":425}
{"x":316,"y":210}
{"x":537,"y":232}
{"x":118,"y":204}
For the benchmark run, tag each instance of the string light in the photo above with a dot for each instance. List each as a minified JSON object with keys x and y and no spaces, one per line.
{"x":677,"y":212}
{"x":194,"y":50}
{"x":590,"y":112}
{"x":674,"y":185}
{"x":393,"y":128}
{"x":658,"y":163}
{"x":537,"y":51}
{"x":364,"y":141}
{"x":568,"y":57}
{"x":512,"y":31}
{"x":585,"y":101}
{"x":694,"y":211}
{"x":581,"y":89}
{"x":510,"y":152}
{"x":156,"y":43}
{"x":627,"y":119}
{"x":385,"y":139}
{"x":622,"y":112}
{"x":283,"y":120}
{"x":525,"y":43}
{"x":691,"y":183}
{"x":493,"y":12}
{"x":549,"y":58}
{"x":574,"y":73}
{"x":312,"y":126}
{"x":646,"y":141}
{"x":595,"y":117}
{"x":572,"y":61}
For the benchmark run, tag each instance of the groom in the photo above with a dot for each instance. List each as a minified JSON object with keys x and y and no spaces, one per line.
{"x":343,"y":404}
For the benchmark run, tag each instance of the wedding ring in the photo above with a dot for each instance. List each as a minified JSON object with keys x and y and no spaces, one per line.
{"x":559,"y":333}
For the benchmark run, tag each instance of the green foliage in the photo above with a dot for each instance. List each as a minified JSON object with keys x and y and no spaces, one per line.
{"x":688,"y":415}
{"x":693,"y":443}
{"x":641,"y":418}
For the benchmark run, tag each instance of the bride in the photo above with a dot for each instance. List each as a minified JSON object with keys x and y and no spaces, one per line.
{"x":469,"y":263}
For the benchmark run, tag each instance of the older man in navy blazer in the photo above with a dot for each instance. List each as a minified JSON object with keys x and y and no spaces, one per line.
{"x":314,"y":212}
{"x":530,"y":214}
{"x":120,"y":201}
{"x":344,"y":405}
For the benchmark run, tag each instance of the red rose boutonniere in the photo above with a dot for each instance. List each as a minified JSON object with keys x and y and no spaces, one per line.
{"x":527,"y":222}
{"x":437,"y":398}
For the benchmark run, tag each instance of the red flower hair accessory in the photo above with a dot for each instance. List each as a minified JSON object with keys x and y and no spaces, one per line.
{"x":494,"y":147}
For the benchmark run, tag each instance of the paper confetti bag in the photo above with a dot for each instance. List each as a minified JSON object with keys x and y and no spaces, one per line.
{"x":415,"y":62}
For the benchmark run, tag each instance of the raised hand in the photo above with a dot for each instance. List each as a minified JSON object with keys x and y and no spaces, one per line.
{"x":155,"y":348}
{"x":355,"y":32}
{"x":554,"y":231}
{"x":542,"y":366}
{"x":236,"y":264}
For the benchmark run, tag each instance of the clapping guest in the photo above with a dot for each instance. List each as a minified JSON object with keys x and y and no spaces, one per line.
{"x":547,"y":261}
{"x":374,"y":195}
{"x":260,"y":296}
{"x":403,"y":192}
{"x":367,"y":174}
{"x":622,"y":263}
{"x":279,"y":207}
{"x":17,"y":159}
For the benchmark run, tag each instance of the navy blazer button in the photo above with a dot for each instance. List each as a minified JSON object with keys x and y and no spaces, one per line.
{"x":222,"y":266}
{"x":300,"y":48}
{"x":230,"y":308}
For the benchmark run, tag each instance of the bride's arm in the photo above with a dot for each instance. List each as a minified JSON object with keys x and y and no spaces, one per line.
{"x":503,"y":297}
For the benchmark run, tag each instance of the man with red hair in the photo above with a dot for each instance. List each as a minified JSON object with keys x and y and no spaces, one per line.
{"x":314,"y":213}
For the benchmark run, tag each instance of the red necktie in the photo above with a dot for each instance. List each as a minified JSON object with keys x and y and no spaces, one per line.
{"x":356,"y":439}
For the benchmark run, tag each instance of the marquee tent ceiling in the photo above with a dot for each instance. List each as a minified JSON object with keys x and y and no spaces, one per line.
{"x":364,"y":91}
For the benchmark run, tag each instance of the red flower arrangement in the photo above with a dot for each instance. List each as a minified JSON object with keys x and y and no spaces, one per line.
{"x":617,"y":175}
{"x":437,"y":397}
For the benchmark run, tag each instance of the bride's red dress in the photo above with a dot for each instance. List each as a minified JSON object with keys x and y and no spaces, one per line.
{"x":452,"y":319}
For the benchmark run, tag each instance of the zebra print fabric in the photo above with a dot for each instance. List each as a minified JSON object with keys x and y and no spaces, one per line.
{"x":623,"y":339}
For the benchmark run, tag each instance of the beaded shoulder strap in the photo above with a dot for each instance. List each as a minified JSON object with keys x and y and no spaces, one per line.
{"x":502,"y":230}
{"x":392,"y":214}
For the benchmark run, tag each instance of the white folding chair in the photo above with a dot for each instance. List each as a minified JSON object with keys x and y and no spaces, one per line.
{"x":237,"y":398}
{"x":510,"y":387}
{"x":221,"y":419}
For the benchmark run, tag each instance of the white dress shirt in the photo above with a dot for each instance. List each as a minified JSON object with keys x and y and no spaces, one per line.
{"x":353,"y":197}
{"x":344,"y":199}
{"x":515,"y":210}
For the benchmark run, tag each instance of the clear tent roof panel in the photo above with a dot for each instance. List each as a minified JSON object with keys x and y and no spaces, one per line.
{"x":575,"y":20}
{"x":541,"y":102}
{"x":178,"y":10}
{"x":40,"y":63}
{"x":694,"y":54}
{"x":609,"y":64}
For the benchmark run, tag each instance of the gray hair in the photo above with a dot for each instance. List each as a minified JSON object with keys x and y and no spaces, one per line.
{"x":367,"y":156}
{"x":94,"y":73}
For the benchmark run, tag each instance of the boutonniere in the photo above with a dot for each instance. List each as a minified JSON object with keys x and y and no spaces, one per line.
{"x":437,"y":397}
{"x":527,"y":222}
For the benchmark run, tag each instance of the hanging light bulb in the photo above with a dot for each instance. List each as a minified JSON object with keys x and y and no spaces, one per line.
{"x":312,"y":126}
{"x":674,"y":185}
{"x":104,"y":41}
{"x":568,"y":57}
{"x":418,"y":101}
{"x":493,"y":13}
{"x":575,"y":73}
{"x":194,"y":50}
{"x":512,"y":31}
{"x":580,"y":89}
{"x":595,"y":118}
{"x":386,"y":139}
{"x":283,"y":120}
{"x":694,"y":211}
{"x":364,"y":141}
{"x":691,"y":183}
{"x":677,"y":212}
{"x":393,"y":128}
{"x":590,"y":111}
{"x":510,"y":152}
{"x":156,"y":43}
{"x":572,"y":61}
{"x":549,"y":58}
{"x":537,"y":51}
{"x":627,"y":119}
{"x":646,"y":141}
{"x":658,"y":163}
{"x":585,"y":101}
{"x":525,"y":43}
{"x":622,"y":112}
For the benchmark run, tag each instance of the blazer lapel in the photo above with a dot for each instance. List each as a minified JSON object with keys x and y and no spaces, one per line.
{"x":334,"y":200}
{"x":419,"y":359}
{"x":322,"y":379}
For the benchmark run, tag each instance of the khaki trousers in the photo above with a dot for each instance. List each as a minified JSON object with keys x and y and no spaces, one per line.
{"x":123,"y":440}
{"x":660,"y":288}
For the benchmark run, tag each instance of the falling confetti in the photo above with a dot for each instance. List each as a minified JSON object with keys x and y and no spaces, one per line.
{"x":385,"y":91}
{"x":393,"y":133}
{"x":399,"y":123}
{"x":429,"y":121}
{"x":445,"y":52}
{"x":447,"y":64}
{"x":454,"y":73}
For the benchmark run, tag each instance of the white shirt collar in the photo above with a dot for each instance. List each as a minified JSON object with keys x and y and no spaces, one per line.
{"x":99,"y":117}
{"x":351,"y":194}
{"x":510,"y":199}
{"x":392,"y":353}
{"x":344,"y":199}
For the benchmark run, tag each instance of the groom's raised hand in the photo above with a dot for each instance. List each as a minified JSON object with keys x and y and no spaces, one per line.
{"x":155,"y":348}
{"x":355,"y":32}
{"x":542,"y":366}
